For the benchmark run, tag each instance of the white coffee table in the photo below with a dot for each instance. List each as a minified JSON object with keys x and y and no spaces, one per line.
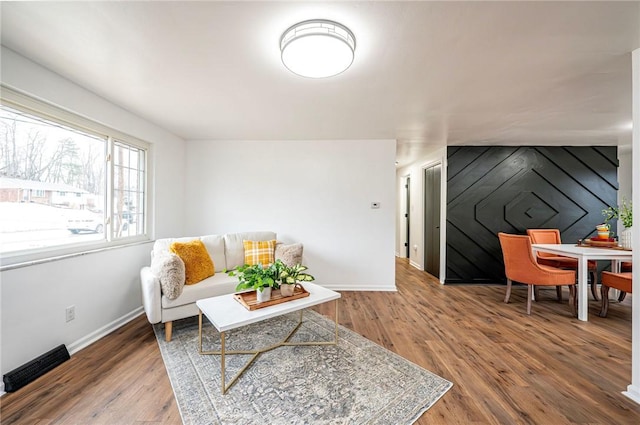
{"x":226,"y":313}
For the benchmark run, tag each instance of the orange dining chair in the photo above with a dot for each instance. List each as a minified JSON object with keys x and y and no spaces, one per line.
{"x":619,"y":281}
{"x":552,"y":236}
{"x":521,"y":266}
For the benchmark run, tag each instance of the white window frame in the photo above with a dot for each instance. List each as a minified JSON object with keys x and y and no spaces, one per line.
{"x":28,"y":104}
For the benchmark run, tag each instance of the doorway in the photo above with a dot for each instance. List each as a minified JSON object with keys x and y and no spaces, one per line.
{"x":407,"y":208}
{"x":432,"y":181}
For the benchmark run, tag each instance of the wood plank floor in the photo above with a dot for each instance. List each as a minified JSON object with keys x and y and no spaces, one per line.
{"x":507,"y":367}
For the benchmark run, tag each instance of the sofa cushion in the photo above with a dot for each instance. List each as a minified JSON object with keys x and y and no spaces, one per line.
{"x":169,"y":268}
{"x":290,"y":255}
{"x":161,"y":246}
{"x":215,"y":247}
{"x":259,"y":252}
{"x":219,"y":284}
{"x":234,"y":248}
{"x":197,"y":262}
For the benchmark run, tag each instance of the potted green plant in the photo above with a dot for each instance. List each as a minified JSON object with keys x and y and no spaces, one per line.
{"x":261,"y":279}
{"x":290,"y":276}
{"x":624,"y":213}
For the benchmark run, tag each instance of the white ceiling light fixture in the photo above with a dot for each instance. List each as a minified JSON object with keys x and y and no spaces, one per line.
{"x":317,"y":48}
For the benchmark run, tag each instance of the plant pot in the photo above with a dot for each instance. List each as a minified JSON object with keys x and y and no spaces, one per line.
{"x":287,"y":289}
{"x":264,"y":295}
{"x":625,"y":238}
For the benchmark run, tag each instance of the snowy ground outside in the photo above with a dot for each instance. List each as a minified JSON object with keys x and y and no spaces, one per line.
{"x":25,"y":226}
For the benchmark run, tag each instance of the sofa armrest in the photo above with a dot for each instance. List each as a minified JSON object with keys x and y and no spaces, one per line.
{"x":151,"y":295}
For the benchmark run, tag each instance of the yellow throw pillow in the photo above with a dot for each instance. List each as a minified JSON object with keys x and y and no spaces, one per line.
{"x":197,"y":262}
{"x":259,"y":252}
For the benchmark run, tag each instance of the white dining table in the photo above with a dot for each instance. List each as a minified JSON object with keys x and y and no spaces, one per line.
{"x":583,"y":254}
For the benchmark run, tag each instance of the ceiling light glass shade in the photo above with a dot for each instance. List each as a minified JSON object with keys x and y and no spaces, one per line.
{"x":317,"y":48}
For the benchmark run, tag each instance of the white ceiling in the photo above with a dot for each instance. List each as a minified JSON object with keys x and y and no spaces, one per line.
{"x":426,"y":73}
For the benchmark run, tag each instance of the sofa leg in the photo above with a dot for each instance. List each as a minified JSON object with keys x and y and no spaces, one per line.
{"x":168,"y":329}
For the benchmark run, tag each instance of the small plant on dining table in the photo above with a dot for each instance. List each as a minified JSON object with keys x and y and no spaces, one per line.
{"x":624,"y":213}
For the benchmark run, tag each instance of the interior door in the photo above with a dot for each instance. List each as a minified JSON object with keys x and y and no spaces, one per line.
{"x":432,"y":176}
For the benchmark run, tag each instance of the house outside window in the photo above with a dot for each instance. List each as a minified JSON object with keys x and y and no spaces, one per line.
{"x":67,"y":185}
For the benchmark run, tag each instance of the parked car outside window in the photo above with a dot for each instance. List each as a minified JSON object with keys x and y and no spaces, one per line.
{"x":85,"y":221}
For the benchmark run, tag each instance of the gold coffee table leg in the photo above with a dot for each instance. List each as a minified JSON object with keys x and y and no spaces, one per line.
{"x":224,"y":389}
{"x":256,"y":353}
{"x":336,"y":321}
{"x":200,"y":331}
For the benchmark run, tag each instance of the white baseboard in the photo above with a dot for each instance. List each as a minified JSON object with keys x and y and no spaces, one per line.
{"x":633,"y":393}
{"x":385,"y":288}
{"x":415,"y":265}
{"x":84,"y":342}
{"x":78,"y":345}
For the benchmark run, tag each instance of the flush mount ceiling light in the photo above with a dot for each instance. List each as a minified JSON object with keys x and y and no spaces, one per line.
{"x":317,"y":48}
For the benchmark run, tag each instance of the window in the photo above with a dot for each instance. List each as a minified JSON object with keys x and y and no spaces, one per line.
{"x":67,"y":185}
{"x":128,"y":193}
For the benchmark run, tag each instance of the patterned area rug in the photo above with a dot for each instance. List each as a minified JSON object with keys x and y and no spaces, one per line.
{"x":355,"y":382}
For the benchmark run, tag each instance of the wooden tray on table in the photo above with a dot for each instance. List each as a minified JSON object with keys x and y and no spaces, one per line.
{"x":594,"y":242}
{"x":249,"y":299}
{"x":602,"y":244}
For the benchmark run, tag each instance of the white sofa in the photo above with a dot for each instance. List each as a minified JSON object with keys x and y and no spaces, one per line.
{"x":227,"y":253}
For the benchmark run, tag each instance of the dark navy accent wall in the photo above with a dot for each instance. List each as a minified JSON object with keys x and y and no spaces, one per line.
{"x":509,"y":189}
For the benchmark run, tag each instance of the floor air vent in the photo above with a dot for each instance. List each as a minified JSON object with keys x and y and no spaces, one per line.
{"x":37,"y":367}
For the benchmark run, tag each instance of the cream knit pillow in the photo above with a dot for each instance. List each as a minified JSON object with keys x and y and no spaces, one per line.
{"x":291,"y":255}
{"x":171,"y":272}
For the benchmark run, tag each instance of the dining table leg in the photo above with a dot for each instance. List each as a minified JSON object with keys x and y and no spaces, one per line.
{"x":583,"y":297}
{"x":616,"y":265}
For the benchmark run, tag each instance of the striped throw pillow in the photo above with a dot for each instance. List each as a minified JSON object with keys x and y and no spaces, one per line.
{"x":259,"y":252}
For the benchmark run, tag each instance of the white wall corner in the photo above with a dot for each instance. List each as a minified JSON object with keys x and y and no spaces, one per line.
{"x":633,"y":390}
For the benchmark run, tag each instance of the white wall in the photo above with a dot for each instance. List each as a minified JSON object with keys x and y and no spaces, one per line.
{"x":416,"y":212}
{"x":103,"y":286}
{"x":633,"y":390}
{"x":315,"y":192}
{"x":624,"y":174}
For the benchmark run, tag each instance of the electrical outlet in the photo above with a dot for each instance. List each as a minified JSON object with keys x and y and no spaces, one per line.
{"x":71,"y":313}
